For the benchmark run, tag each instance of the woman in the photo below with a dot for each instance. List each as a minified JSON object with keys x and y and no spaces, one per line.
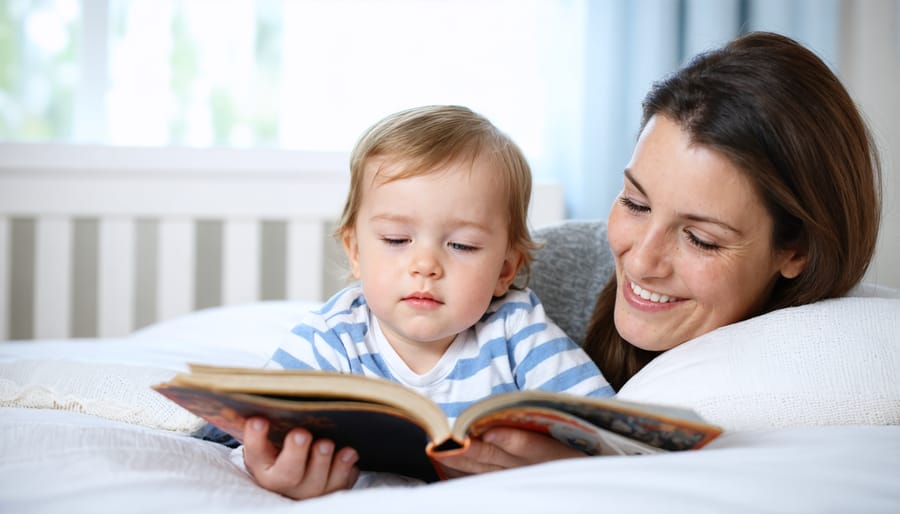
{"x":754,"y":185}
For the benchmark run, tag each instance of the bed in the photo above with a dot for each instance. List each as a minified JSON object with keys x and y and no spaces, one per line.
{"x":809,"y":397}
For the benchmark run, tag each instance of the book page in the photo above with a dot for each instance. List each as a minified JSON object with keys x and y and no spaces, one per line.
{"x":563,"y":427}
{"x":670,"y":429}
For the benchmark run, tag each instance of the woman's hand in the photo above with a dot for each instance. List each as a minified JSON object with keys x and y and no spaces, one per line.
{"x":303,"y":469}
{"x":504,"y":448}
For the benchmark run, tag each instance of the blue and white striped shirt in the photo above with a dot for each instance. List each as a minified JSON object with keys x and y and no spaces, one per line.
{"x":514,"y":346}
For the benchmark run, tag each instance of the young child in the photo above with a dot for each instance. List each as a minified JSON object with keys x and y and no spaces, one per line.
{"x":434,"y":228}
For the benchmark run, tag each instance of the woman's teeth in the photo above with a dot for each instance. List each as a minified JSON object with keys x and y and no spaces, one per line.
{"x":649,"y":295}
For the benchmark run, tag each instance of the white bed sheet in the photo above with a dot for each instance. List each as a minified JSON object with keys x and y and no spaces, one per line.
{"x":54,"y":460}
{"x":58,"y":461}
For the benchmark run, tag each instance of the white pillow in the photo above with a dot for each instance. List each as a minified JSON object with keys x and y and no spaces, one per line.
{"x":830,"y":363}
{"x":254,"y":329}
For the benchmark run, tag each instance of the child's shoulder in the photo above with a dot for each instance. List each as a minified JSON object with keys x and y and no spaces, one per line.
{"x":523,"y":295}
{"x":514,"y":303}
{"x":346,"y":305}
{"x":348,"y":297}
{"x":513,"y":316}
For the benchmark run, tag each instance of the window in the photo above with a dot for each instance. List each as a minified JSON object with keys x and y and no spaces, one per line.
{"x":39,"y":44}
{"x":564,"y":78}
{"x":302,"y":74}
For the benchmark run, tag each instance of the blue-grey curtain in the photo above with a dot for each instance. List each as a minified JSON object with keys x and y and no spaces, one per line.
{"x":602,"y":56}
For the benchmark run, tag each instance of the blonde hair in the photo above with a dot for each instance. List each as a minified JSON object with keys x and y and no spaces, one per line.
{"x":426,"y":139}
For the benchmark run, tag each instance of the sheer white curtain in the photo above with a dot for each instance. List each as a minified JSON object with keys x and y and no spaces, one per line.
{"x":564,"y":78}
{"x":605,"y":55}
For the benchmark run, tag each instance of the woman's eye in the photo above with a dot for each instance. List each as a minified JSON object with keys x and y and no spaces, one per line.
{"x":462,"y":247}
{"x":699,"y":243}
{"x":631,"y":206}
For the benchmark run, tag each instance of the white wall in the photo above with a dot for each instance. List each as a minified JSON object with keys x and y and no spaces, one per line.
{"x":870,"y":68}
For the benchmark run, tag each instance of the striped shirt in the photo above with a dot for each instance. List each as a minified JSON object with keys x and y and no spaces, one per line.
{"x":514,"y":346}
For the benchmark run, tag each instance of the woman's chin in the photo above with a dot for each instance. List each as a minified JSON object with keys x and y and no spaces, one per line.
{"x":645,"y":335}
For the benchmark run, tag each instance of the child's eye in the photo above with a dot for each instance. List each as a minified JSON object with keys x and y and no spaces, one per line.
{"x":699,"y":243}
{"x":395,"y":241}
{"x":462,"y":247}
{"x":631,"y":206}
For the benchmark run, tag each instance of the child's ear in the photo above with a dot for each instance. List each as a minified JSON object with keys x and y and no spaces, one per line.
{"x":351,"y":248}
{"x":508,"y":272}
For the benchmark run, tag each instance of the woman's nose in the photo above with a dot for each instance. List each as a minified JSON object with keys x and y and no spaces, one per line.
{"x":651,"y":254}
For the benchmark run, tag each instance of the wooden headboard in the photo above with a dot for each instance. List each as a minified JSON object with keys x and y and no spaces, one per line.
{"x":99,"y":241}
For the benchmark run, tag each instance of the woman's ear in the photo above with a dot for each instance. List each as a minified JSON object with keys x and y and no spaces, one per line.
{"x":794,"y":263}
{"x":351,"y":248}
{"x":509,"y":271}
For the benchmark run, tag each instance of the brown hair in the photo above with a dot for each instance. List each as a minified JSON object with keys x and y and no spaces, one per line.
{"x":781,"y":116}
{"x":425,"y":139}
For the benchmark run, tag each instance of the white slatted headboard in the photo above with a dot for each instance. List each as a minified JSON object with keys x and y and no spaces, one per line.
{"x":98,"y":241}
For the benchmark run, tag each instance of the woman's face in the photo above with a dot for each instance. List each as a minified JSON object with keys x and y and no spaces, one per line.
{"x":692,"y":242}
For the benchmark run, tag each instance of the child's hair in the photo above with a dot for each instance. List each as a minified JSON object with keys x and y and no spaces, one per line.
{"x":424,"y":140}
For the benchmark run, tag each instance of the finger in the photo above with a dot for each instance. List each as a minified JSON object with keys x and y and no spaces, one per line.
{"x":354,"y":476}
{"x":318,"y":467}
{"x":479,"y":457}
{"x":343,"y":470}
{"x":290,"y":469}
{"x":520,"y":447}
{"x":259,"y":452}
{"x":505,"y":448}
{"x":456,"y":466}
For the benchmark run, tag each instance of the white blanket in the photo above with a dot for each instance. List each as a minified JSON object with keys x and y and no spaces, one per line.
{"x":95,"y":438}
{"x":58,"y":461}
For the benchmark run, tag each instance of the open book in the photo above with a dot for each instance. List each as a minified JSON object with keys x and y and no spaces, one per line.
{"x":396,"y":429}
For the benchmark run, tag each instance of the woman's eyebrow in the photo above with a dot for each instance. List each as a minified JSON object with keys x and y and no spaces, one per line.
{"x":693,"y":217}
{"x":630,"y":177}
{"x":714,"y":221}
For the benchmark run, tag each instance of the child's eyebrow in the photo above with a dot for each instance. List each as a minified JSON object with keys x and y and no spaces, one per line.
{"x":453,"y":223}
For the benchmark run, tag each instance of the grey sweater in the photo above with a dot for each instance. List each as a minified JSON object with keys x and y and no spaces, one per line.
{"x":569,"y":270}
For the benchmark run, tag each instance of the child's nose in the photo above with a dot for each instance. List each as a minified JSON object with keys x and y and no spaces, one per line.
{"x":425,"y":263}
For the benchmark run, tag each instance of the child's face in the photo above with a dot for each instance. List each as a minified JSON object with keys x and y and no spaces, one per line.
{"x":431,"y":251}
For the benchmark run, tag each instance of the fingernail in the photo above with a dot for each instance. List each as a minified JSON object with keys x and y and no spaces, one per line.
{"x":300,"y":438}
{"x":325,"y":448}
{"x":349,"y":456}
{"x":258,"y":424}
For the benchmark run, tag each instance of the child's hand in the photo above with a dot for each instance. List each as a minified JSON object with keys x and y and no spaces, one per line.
{"x":505,"y":448}
{"x":304,"y":468}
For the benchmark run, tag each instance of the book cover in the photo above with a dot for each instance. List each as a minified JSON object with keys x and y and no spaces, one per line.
{"x":395,"y":429}
{"x":386,"y":439}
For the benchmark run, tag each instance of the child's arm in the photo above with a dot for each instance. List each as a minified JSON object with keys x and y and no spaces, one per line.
{"x":303,"y":469}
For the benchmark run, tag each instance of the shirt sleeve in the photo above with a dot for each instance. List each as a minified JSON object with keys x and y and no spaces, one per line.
{"x":311,"y":344}
{"x":544,"y":357}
